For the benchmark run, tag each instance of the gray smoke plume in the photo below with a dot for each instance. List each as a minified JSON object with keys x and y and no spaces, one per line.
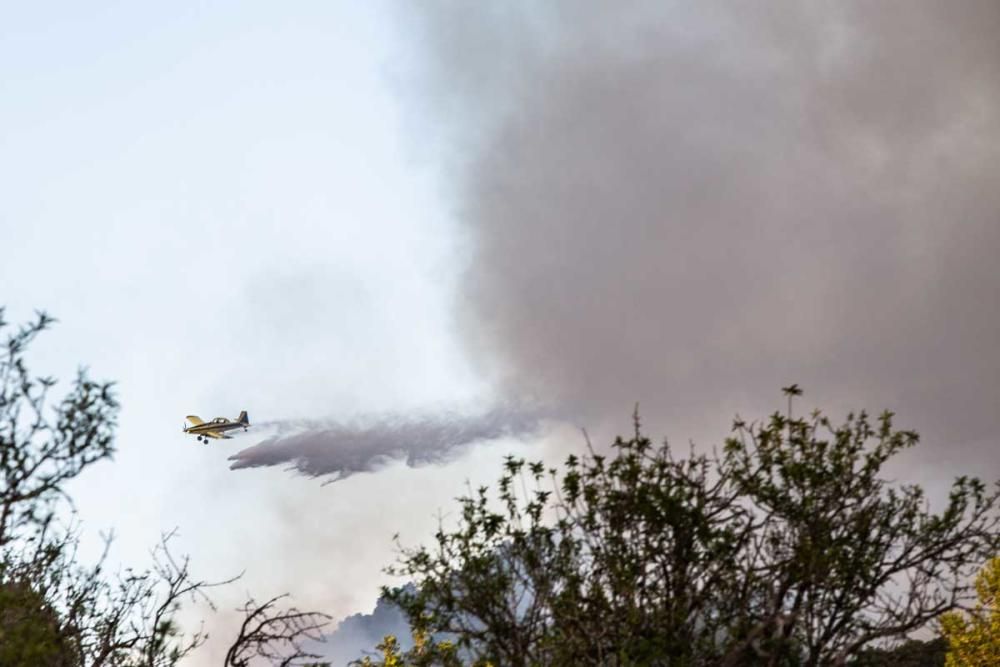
{"x":691,"y":205}
{"x":339,"y":449}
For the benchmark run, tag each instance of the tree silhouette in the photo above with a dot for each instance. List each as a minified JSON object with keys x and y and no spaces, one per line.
{"x":54,"y":611}
{"x":787,"y":548}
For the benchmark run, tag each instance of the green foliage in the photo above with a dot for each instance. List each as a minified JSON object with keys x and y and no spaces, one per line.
{"x":44,"y":597}
{"x":426,"y":652}
{"x":911,"y":653}
{"x":974,"y":639}
{"x":788,"y":548}
{"x":30,"y":629}
{"x":53,"y":611}
{"x":41,"y":449}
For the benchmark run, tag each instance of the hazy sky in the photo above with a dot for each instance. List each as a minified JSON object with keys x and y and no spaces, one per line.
{"x":324,"y":210}
{"x":216,"y":202}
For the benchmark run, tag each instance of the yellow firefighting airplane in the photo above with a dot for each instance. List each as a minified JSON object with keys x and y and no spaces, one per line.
{"x":216,"y":428}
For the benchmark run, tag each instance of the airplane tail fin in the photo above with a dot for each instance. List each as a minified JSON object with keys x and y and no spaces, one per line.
{"x":243,"y":419}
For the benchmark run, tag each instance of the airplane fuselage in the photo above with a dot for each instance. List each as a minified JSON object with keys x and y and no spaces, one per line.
{"x":212,"y":427}
{"x":216,"y":428}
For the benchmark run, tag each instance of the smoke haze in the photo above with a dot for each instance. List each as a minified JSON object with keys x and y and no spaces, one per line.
{"x":690,"y":205}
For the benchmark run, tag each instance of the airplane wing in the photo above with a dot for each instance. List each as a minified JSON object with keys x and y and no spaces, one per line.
{"x":218,"y":435}
{"x":195,"y":420}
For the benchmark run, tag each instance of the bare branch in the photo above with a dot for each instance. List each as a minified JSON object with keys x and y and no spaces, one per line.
{"x":277,"y":635}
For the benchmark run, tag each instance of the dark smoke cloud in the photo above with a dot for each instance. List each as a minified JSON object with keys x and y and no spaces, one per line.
{"x":690,"y":205}
{"x":340,"y":449}
{"x":357,"y":635}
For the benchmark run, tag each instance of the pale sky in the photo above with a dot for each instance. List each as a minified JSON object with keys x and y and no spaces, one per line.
{"x":216,"y":202}
{"x":314,"y":211}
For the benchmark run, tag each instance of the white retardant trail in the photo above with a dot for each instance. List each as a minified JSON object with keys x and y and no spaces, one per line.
{"x":326,"y":447}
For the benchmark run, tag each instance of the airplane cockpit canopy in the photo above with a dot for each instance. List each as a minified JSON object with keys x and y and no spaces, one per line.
{"x":220,"y":420}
